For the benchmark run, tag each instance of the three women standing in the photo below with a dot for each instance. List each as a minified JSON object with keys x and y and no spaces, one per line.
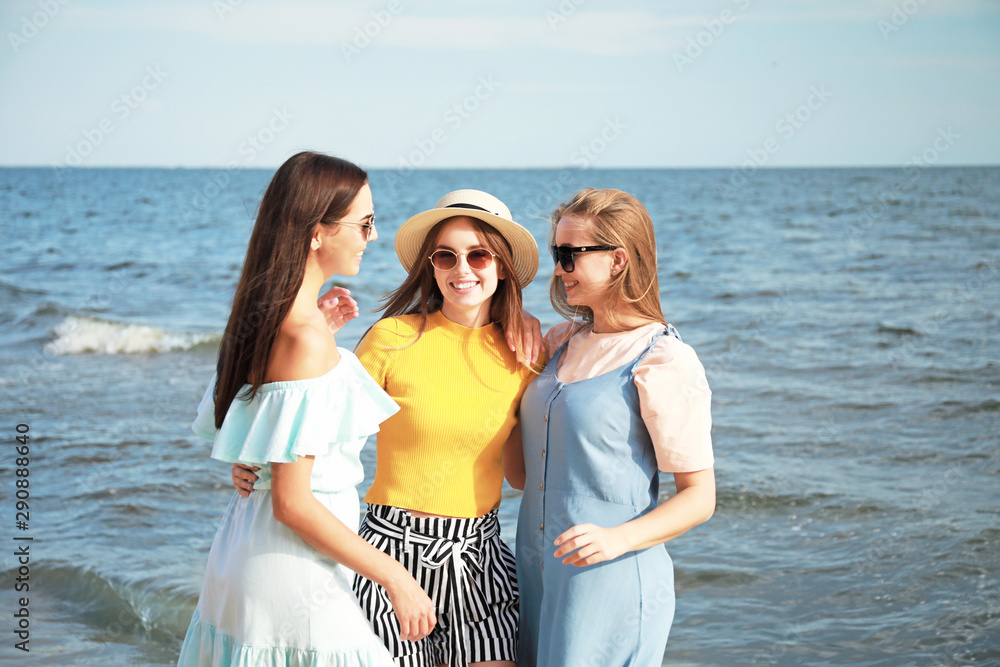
{"x":621,"y":398}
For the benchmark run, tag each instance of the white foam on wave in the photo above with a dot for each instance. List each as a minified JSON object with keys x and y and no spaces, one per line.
{"x":80,"y":335}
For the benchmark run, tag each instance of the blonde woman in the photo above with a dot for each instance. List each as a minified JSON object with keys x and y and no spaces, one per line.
{"x":621,"y":399}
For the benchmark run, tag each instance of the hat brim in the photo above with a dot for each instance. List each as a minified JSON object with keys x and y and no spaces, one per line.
{"x":410,"y":238}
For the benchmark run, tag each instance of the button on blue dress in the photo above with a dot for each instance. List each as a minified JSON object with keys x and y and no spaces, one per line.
{"x":589,"y":459}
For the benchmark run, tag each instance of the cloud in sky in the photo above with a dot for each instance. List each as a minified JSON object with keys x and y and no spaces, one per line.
{"x":698,"y":83}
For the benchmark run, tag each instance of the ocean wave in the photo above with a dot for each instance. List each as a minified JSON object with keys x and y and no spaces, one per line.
{"x":81,"y":335}
{"x":966,"y":212}
{"x":735,"y":502}
{"x":953,"y":409}
{"x":897,"y":331}
{"x":17,"y":291}
{"x":146,"y":603}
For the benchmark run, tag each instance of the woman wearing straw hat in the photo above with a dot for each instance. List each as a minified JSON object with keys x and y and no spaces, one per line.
{"x":440,"y":352}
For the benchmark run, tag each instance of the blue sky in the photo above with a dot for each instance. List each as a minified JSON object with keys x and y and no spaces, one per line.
{"x":400,"y":83}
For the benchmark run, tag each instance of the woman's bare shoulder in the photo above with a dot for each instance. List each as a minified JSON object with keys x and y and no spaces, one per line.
{"x":302,"y":350}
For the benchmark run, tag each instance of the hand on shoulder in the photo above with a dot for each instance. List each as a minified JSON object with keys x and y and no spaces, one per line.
{"x":302,"y":350}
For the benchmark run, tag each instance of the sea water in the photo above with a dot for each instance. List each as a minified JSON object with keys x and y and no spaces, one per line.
{"x":847,"y":319}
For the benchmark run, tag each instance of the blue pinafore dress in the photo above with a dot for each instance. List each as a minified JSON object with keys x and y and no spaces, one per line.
{"x":589,"y":459}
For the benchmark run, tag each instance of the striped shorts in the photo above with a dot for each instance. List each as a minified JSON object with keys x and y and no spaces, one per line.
{"x":466,"y":570}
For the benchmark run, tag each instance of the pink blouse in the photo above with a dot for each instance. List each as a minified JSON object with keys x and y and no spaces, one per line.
{"x":674,"y":397}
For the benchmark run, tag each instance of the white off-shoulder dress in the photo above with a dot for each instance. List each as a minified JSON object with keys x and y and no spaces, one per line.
{"x":269,"y":598}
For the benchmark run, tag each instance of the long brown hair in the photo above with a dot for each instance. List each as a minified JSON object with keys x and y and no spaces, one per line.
{"x":619,"y":220}
{"x":420,"y":295}
{"x":307,"y":190}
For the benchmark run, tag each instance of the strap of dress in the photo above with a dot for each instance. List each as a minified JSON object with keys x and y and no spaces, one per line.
{"x":668,"y":330}
{"x":554,"y":361}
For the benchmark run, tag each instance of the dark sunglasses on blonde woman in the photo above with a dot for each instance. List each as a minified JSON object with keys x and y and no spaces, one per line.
{"x":562,"y":254}
{"x":446,"y":260}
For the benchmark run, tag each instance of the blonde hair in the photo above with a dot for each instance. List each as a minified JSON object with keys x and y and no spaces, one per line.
{"x":619,"y":220}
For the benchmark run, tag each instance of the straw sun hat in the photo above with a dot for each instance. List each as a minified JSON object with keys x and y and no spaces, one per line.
{"x":474,"y":204}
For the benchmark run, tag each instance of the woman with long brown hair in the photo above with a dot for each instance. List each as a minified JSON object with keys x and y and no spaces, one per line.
{"x":441,"y":352}
{"x":621,"y":399}
{"x":287,"y":399}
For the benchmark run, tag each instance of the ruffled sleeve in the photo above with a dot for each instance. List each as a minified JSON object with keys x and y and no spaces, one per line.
{"x":286,"y":420}
{"x":204,"y":423}
{"x":676,"y":406}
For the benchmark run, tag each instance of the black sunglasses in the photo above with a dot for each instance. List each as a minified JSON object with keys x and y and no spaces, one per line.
{"x":562,"y":254}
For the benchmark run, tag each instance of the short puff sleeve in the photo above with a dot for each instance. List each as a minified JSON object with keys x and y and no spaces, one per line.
{"x":675,"y":403}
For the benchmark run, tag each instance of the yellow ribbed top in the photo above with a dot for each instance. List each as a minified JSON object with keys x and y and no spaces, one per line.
{"x":458,"y":390}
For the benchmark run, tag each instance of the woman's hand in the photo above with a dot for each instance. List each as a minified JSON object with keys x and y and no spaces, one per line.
{"x":338,"y":308}
{"x":413,"y":608}
{"x":243,"y":479}
{"x":588,"y":544}
{"x":531,"y":338}
{"x":693,"y":504}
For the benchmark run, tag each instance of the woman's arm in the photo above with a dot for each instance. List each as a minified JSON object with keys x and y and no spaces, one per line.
{"x":513,"y":458}
{"x":531,"y":339}
{"x":694,"y":503}
{"x":306,"y":350}
{"x":295,"y":506}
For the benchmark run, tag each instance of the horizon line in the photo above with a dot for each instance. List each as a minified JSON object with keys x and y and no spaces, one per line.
{"x":526,"y":168}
